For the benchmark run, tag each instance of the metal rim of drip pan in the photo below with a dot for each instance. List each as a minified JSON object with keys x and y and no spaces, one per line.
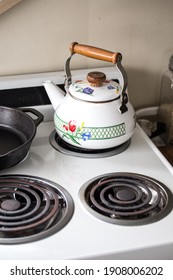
{"x":32,"y":208}
{"x":126,"y":198}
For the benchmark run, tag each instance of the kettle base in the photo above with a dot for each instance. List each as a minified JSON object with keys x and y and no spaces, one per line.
{"x":60,"y":145}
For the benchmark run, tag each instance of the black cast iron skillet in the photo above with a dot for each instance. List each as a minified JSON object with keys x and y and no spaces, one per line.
{"x":17,"y":130}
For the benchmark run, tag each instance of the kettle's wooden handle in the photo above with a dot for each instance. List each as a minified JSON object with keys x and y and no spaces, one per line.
{"x":94,"y":52}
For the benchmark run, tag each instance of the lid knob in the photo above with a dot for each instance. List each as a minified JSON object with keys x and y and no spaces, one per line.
{"x":96,"y":79}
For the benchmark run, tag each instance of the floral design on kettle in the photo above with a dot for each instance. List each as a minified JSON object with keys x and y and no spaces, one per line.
{"x":89,"y":91}
{"x":75,"y":132}
{"x":81,"y":89}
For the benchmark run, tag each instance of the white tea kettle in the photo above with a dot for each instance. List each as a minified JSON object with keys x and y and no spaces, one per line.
{"x":94,"y":113}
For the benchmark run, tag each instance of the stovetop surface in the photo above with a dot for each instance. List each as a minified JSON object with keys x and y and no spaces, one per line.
{"x":85,"y":236}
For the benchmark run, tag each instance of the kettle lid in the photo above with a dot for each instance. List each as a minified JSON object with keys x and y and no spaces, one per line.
{"x":96,"y":88}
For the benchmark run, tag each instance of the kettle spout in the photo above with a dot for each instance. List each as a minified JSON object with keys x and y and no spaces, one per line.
{"x":54,"y":93}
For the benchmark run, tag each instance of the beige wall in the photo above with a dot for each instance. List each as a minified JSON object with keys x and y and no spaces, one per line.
{"x":35,"y":36}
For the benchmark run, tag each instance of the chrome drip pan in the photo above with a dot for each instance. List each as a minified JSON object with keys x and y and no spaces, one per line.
{"x":126,"y":198}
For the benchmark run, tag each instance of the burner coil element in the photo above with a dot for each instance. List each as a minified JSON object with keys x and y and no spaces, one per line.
{"x":126,"y":198}
{"x":31,"y":208}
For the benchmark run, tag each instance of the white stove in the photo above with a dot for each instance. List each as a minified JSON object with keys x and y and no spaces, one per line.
{"x":85,"y":235}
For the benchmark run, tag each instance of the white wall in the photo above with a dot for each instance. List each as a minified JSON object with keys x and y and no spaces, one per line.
{"x":35,"y":36}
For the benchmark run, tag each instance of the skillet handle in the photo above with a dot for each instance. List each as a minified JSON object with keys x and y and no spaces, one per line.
{"x":39,"y":116}
{"x":94,"y":52}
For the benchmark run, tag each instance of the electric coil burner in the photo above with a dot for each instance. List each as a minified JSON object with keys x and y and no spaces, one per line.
{"x":31,"y":208}
{"x":65,"y":148}
{"x":126,"y":198}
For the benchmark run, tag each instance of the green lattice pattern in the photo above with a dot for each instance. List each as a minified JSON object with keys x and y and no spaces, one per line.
{"x":97,"y":133}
